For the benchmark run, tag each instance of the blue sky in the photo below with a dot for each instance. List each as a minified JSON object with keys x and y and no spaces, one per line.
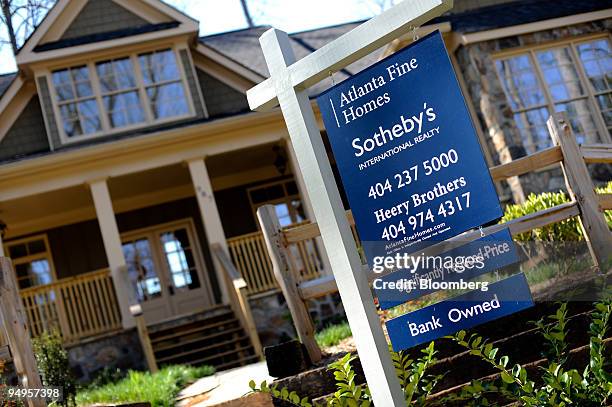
{"x":289,"y":15}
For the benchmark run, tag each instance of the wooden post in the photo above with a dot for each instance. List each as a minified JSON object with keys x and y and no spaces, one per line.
{"x":285,"y":276}
{"x":143,"y":335}
{"x":16,"y":331}
{"x":112,"y":246}
{"x":580,"y":187}
{"x":210,"y":215}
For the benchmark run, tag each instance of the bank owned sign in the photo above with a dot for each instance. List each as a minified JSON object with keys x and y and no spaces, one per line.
{"x":412,"y":166}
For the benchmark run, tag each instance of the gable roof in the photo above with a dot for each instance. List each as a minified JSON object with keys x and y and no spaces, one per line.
{"x":519,"y":12}
{"x":242,"y":46}
{"x":5,"y":82}
{"x":151,"y":16}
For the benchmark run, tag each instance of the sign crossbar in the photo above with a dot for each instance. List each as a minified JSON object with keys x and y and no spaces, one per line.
{"x":287,"y":86}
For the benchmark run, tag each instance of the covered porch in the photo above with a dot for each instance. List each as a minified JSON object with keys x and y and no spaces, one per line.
{"x":84,"y":253}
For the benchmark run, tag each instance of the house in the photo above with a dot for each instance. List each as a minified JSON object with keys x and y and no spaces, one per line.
{"x":131,"y":165}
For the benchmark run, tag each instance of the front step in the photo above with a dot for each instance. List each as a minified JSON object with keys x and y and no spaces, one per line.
{"x":213,"y":337}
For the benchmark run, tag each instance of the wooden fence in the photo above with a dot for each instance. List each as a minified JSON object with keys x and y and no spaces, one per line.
{"x":585,"y":204}
{"x":250,"y":257}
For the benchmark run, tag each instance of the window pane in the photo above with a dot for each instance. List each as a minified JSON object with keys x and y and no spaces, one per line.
{"x":80,"y":77}
{"x":141,"y":269}
{"x":180,"y":259}
{"x":18,"y":250}
{"x":532,"y":127}
{"x":167,"y":100}
{"x":116,"y":75}
{"x":124,"y":109}
{"x":605,"y":105}
{"x":560,"y":74}
{"x":520,"y":82}
{"x":581,"y":120}
{"x":159,"y":67}
{"x":596,"y":57}
{"x":90,"y":118}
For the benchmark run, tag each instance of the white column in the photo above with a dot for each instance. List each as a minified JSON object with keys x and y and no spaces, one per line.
{"x":112,"y":246}
{"x":299,"y":180}
{"x":210,"y":215}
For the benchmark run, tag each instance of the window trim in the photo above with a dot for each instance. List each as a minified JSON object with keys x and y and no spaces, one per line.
{"x":286,"y":199}
{"x":107,"y":129}
{"x":589,"y":94}
{"x":32,"y":257}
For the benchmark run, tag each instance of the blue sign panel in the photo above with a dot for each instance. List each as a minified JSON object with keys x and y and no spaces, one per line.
{"x":502,"y":298}
{"x":407,"y":151}
{"x":450,"y":270}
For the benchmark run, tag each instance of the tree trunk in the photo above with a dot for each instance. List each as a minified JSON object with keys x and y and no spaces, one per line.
{"x":6,"y":12}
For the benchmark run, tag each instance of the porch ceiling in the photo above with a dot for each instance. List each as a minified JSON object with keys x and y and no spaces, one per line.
{"x":242,"y":161}
{"x":36,"y":213}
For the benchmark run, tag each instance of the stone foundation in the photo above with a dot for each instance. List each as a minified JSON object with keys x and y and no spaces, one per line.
{"x":119,"y":350}
{"x":273,"y":319}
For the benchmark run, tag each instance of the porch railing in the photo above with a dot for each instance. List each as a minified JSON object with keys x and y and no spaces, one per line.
{"x":249,"y":255}
{"x":79,"y":307}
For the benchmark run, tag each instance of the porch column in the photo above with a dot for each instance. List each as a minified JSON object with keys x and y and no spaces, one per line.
{"x":210,"y":216}
{"x":299,"y":180}
{"x":112,"y":246}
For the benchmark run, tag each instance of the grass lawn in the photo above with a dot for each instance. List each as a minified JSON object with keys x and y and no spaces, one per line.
{"x":160,"y":389}
{"x":333,"y":334}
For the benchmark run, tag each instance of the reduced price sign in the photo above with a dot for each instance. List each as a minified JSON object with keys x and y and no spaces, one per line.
{"x":407,"y":152}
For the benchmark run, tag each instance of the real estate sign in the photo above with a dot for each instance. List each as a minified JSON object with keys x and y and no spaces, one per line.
{"x":414,"y":174}
{"x":407,"y":151}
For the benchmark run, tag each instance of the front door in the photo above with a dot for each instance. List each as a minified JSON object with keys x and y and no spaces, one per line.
{"x":166,"y":270}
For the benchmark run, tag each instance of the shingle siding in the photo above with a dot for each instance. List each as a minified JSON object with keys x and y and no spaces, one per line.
{"x":27,"y":135}
{"x":100,"y":16}
{"x":220,"y":98}
{"x":47,"y":108}
{"x":192,"y":83}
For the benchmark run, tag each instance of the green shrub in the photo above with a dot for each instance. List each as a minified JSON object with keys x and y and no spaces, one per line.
{"x":159,"y":389}
{"x":558,"y":386}
{"x":333,"y":334}
{"x":53,"y":365}
{"x":567,"y":230}
{"x":416,"y":383}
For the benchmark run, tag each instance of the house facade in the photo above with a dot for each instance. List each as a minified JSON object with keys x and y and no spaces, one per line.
{"x":129,"y":158}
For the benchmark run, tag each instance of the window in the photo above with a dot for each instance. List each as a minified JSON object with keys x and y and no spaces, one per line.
{"x":574,"y":77}
{"x":164,"y":89}
{"x":284,"y":196}
{"x":117,"y":94}
{"x":120,"y":92}
{"x":76,"y":101}
{"x":32,"y":261}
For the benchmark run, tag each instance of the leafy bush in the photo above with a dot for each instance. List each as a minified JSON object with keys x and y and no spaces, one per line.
{"x":53,"y":364}
{"x":415,"y":382}
{"x":590,"y":386}
{"x":159,"y":389}
{"x":333,"y":334}
{"x":567,"y":230}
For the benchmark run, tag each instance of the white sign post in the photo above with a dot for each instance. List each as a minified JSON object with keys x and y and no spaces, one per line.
{"x":287,"y":86}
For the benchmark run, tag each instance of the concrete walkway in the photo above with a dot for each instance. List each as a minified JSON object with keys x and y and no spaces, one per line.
{"x":223,"y":386}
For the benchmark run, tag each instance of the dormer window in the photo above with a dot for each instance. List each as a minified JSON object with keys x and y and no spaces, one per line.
{"x":120,"y":94}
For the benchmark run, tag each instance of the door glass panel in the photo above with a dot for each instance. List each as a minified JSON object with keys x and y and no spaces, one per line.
{"x":179,"y":258}
{"x":141,"y":269}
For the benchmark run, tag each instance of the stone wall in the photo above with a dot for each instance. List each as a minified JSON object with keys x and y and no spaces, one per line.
{"x":120,"y":350}
{"x":485,"y":89}
{"x":273,"y":319}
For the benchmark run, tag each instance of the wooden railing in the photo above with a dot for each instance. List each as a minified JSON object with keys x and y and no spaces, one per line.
{"x":237,"y":292}
{"x":585,"y":204}
{"x":250,"y":257}
{"x":79,"y":307}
